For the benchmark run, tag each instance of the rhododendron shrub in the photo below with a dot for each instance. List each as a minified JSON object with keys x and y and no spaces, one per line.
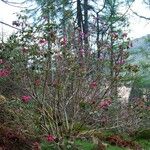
{"x":62,"y":86}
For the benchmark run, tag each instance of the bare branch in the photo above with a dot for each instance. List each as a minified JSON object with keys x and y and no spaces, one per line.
{"x":143,"y":17}
{"x":15,"y":4}
{"x":9,"y":25}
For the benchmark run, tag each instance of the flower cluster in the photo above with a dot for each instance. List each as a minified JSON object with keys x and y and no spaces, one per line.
{"x":24,"y":49}
{"x":37,"y":82}
{"x":4,"y":72}
{"x":104,"y":104}
{"x":1,"y":61}
{"x":26,"y":98}
{"x":81,"y":52}
{"x":42,"y":41}
{"x":120,"y":62}
{"x":93,"y":84}
{"x":50,"y":138}
{"x":63,"y":41}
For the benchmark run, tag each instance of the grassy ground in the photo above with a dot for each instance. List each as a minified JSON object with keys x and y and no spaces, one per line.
{"x":85,"y":145}
{"x":145,"y":144}
{"x":89,"y":146}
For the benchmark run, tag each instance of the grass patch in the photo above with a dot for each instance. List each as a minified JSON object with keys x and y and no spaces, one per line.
{"x":85,"y":145}
{"x":144,"y":143}
{"x":110,"y":147}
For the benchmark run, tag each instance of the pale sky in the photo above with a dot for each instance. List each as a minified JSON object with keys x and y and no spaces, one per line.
{"x":138,"y":27}
{"x":7,"y":15}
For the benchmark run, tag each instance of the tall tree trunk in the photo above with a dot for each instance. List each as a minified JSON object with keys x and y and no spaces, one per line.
{"x":79,"y":15}
{"x":111,"y":67}
{"x":64,"y":21}
{"x":85,"y":27}
{"x":80,"y":28}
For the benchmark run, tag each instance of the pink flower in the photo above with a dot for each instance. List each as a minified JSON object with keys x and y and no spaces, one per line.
{"x":93,"y":84}
{"x":81,"y":52}
{"x":26,"y":98}
{"x":82,"y":34}
{"x":4,"y":72}
{"x":37,"y":82}
{"x":105,"y":103}
{"x":42,"y":41}
{"x":63,"y":41}
{"x":50,"y":138}
{"x":120,"y":62}
{"x":1,"y":61}
{"x":24,"y":49}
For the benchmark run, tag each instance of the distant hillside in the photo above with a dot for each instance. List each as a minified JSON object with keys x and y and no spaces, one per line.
{"x":140,"y":50}
{"x":141,"y":42}
{"x":140,"y":55}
